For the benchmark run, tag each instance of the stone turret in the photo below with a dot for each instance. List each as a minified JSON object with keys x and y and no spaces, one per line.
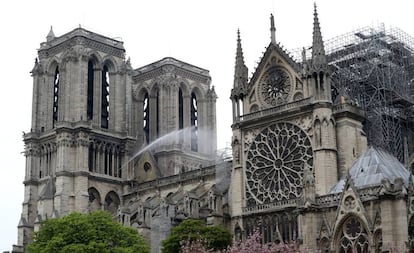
{"x":240,"y":79}
{"x":272,"y":30}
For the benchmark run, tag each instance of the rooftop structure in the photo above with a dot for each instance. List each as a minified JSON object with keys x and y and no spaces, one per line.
{"x":375,"y":67}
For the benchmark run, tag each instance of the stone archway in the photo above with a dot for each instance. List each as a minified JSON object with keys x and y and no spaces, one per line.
{"x":94,"y":200}
{"x":112,"y":202}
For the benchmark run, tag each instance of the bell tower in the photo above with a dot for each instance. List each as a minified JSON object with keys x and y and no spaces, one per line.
{"x":79,"y":129}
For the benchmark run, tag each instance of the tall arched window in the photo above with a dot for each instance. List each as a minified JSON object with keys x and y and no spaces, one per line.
{"x":194,"y":122}
{"x":56,"y":95}
{"x":105,"y":98}
{"x":146,"y":118}
{"x":181,"y":114}
{"x":158,"y":113}
{"x":89,"y":110}
{"x":411,"y":232}
{"x":354,"y":237}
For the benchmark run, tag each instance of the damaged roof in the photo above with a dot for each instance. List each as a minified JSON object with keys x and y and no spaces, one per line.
{"x":373,"y":166}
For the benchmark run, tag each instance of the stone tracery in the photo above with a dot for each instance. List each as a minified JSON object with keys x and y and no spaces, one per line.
{"x":354,"y":237}
{"x":275,"y":162}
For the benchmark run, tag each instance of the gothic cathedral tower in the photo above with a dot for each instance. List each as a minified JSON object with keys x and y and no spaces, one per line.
{"x":78,"y":137}
{"x":94,"y":116}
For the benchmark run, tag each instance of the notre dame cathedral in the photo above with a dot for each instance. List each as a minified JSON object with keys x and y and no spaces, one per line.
{"x":141,"y":144}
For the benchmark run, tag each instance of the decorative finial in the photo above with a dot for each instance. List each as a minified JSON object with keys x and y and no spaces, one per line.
{"x":240,"y":73}
{"x":50,"y":36}
{"x":318,"y":50}
{"x":303,"y":55}
{"x":272,"y":30}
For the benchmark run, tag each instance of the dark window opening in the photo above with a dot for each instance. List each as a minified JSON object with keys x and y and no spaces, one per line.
{"x":181,"y":114}
{"x":56,"y":95}
{"x":321,"y":80}
{"x":147,"y":166}
{"x":315,"y":78}
{"x":146,"y":118}
{"x":106,"y":163}
{"x":91,"y":158}
{"x":105,"y":98}
{"x":90,"y":92}
{"x":194,"y":123}
{"x":119,"y":164}
{"x":110,"y":163}
{"x":158,"y":113}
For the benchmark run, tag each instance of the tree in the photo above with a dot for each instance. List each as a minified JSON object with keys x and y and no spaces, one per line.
{"x":212,"y":237}
{"x":86,"y":233}
{"x":252,"y":244}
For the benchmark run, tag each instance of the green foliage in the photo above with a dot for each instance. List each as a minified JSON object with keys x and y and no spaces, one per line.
{"x":86,"y":233}
{"x":216,"y":238}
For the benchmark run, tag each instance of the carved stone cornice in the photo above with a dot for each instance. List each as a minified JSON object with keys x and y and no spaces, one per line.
{"x":50,"y":49}
{"x":82,"y":139}
{"x":180,"y":69}
{"x":37,"y":69}
{"x":65,"y":139}
{"x":31,"y":149}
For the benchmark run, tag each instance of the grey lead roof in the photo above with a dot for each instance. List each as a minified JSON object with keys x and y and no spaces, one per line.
{"x":372,"y":167}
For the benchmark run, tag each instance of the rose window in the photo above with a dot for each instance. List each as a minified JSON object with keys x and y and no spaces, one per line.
{"x":275,"y":163}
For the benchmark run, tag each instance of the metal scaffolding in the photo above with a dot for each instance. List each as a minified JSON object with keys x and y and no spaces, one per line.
{"x":375,"y":66}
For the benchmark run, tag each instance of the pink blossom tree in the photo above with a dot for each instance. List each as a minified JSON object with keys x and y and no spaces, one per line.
{"x":252,"y":244}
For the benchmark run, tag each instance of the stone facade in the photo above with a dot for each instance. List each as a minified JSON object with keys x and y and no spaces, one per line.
{"x":141,"y":144}
{"x":292,"y":142}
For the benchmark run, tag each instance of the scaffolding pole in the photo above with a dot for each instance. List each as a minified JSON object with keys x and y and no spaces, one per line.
{"x":375,"y":66}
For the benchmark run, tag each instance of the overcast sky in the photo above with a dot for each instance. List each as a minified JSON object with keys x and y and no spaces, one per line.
{"x":202,"y":33}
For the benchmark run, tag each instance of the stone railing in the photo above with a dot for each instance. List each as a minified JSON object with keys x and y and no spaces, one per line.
{"x":277,"y":205}
{"x":369,"y":192}
{"x":347,"y":107}
{"x":328,"y":200}
{"x":276,"y":109}
{"x":188,"y":175}
{"x":85,"y":33}
{"x":365,"y":194}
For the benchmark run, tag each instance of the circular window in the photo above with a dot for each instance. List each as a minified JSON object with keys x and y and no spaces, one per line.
{"x":275,"y":164}
{"x":147,"y":166}
{"x":274,"y":86}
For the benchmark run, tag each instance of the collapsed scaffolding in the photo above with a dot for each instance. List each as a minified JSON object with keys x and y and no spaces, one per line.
{"x":375,"y":67}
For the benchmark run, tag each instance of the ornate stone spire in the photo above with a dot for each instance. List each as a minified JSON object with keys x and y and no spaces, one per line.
{"x":318,"y":51}
{"x":50,"y":36}
{"x":272,"y":30}
{"x":240,"y":71}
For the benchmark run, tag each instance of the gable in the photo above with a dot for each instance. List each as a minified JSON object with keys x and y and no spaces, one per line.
{"x":275,"y":70}
{"x":145,"y":168}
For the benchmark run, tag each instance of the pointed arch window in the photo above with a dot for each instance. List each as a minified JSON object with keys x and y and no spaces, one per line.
{"x":105,"y":98}
{"x":194,"y":122}
{"x":89,"y":110}
{"x":158,"y":113}
{"x":181,"y":114}
{"x":411,"y":229}
{"x":56,"y":81}
{"x":146,"y":117}
{"x":354,"y":237}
